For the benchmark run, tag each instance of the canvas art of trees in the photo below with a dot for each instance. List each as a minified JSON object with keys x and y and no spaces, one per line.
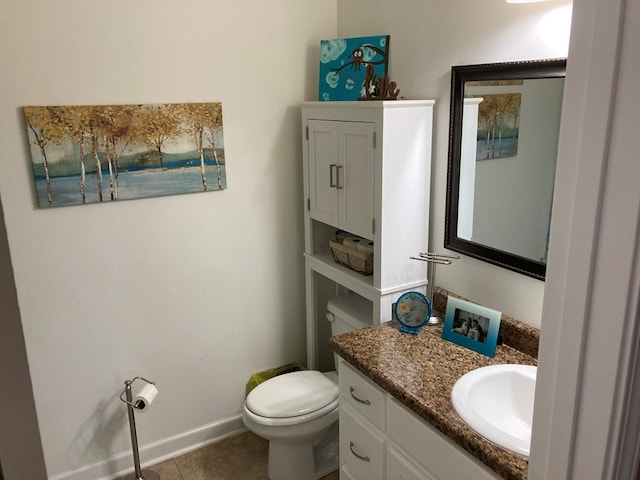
{"x":89,"y":154}
{"x":498,"y":125}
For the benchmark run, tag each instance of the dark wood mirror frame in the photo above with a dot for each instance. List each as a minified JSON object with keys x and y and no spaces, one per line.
{"x":533,"y":69}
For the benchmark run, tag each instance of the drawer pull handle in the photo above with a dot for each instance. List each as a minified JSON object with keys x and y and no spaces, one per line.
{"x":359,"y":400}
{"x":355,"y":454}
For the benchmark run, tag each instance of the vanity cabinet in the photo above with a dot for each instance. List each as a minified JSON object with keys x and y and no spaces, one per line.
{"x":366,"y":170}
{"x":382,"y":439}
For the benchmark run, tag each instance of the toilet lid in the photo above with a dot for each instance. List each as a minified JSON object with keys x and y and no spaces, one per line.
{"x":292,"y":394}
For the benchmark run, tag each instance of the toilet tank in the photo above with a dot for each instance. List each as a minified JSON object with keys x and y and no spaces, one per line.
{"x":348,"y":312}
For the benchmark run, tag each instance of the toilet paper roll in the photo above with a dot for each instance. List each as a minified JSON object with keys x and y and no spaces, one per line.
{"x":366,"y":246}
{"x":341,"y":235}
{"x":145,"y":397}
{"x":352,"y":242}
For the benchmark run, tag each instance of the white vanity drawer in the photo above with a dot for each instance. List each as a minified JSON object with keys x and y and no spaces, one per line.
{"x":400,"y":468}
{"x":431,"y":449}
{"x":345,"y":473}
{"x":362,"y":447}
{"x":362,"y":395}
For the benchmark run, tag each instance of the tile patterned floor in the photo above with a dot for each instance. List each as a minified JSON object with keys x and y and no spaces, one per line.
{"x":241,"y":457}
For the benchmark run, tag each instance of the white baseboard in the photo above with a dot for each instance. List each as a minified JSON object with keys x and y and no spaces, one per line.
{"x":156,"y":452}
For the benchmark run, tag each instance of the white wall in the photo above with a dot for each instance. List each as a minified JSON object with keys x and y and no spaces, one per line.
{"x":428,"y":37}
{"x":196,"y":291}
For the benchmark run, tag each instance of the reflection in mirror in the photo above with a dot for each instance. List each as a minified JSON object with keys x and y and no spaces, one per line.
{"x":503,"y":140}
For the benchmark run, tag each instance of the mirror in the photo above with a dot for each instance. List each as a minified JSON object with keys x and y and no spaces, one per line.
{"x":503,"y":141}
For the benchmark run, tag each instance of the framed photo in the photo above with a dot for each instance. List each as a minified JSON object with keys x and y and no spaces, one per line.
{"x":472,"y":326}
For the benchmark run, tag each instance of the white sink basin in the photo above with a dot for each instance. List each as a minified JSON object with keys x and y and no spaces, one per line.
{"x":497,"y":402}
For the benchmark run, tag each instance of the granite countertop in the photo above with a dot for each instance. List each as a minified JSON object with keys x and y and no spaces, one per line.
{"x":420,"y":371}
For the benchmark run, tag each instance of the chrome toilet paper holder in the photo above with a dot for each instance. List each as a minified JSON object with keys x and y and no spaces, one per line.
{"x":138,"y":474}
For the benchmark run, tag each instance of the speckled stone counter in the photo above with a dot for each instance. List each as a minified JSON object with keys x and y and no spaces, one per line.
{"x":420,"y":371}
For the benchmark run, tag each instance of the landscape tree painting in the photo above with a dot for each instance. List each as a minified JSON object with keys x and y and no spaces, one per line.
{"x":103,"y":153}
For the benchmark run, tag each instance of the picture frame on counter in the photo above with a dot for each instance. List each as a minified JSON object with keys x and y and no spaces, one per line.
{"x":471,"y":325}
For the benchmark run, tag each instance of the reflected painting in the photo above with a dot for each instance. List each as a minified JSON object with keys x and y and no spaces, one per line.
{"x":103,"y":153}
{"x":498,"y":126}
{"x":498,"y":117}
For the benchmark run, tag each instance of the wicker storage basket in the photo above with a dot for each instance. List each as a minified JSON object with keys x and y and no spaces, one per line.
{"x":361,"y":262}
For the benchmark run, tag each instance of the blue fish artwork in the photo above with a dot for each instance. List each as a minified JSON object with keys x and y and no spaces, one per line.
{"x":344,"y":63}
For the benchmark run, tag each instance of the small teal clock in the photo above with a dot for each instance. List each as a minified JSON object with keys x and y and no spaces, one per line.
{"x":413,"y":311}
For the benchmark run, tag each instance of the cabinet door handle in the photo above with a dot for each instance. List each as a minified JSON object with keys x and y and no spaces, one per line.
{"x":359,"y":400}
{"x":338,"y":168}
{"x":332,"y":184}
{"x":355,"y":454}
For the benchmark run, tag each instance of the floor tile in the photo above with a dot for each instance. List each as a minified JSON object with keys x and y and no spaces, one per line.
{"x":166,"y":470}
{"x":332,"y":476}
{"x":242,"y":457}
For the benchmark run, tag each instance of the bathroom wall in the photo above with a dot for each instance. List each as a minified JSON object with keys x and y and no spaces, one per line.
{"x":196,"y":292}
{"x":428,"y":37}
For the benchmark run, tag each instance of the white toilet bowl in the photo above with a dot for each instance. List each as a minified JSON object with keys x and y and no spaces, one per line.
{"x":298,"y":412}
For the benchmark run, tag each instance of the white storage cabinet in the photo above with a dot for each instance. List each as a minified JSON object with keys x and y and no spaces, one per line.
{"x":366,"y":170}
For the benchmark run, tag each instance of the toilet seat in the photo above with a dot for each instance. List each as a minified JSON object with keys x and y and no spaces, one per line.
{"x":292,"y":398}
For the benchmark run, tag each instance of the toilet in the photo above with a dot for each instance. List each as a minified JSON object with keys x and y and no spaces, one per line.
{"x":298,"y":411}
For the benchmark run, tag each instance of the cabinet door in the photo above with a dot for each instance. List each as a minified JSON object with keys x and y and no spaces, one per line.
{"x":356,"y":177}
{"x":434,"y":451}
{"x":323,"y":170}
{"x":341,"y":175}
{"x":345,"y":474}
{"x":400,"y":468}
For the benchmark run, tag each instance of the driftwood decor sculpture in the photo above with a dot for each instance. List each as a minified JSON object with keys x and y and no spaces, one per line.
{"x":379,"y":88}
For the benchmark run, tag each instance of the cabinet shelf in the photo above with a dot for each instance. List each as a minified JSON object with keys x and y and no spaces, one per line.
{"x":361,"y":284}
{"x":324,"y":264}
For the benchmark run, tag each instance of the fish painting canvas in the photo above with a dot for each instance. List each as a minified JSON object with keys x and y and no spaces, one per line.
{"x":104,"y":153}
{"x":344,"y":63}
